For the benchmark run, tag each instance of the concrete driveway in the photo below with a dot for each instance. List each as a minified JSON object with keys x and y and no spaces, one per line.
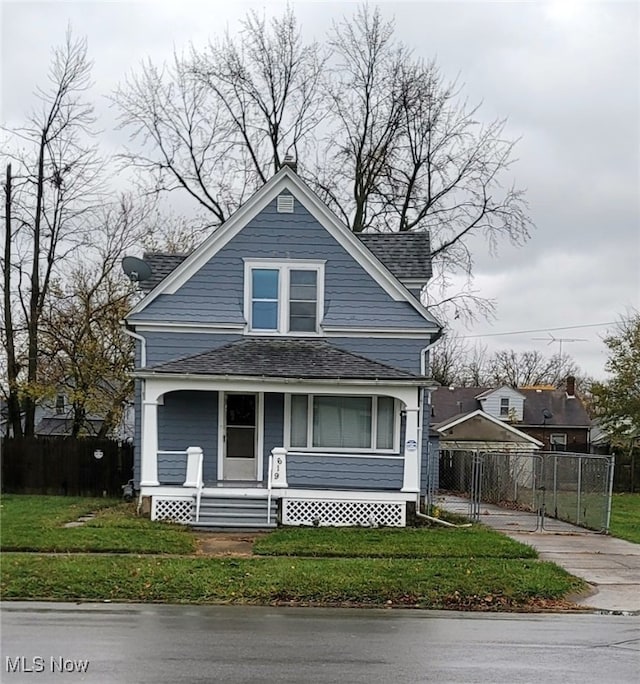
{"x":611,"y":566}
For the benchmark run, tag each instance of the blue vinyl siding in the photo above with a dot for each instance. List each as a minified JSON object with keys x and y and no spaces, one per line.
{"x":215,"y":294}
{"x":187,"y":418}
{"x":168,"y":346}
{"x":273,"y":426}
{"x":397,"y":352}
{"x":334,"y":472}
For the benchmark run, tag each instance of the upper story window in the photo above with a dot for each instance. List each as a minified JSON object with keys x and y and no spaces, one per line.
{"x":504,"y":407}
{"x":284,"y":298}
{"x":558,"y":441}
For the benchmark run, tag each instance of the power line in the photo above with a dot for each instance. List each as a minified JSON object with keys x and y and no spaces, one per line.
{"x":536,"y":330}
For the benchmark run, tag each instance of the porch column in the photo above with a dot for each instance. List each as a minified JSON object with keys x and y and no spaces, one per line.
{"x":411,"y":481}
{"x":149,"y":460}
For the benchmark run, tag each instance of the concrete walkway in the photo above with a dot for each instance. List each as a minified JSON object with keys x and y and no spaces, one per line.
{"x":611,"y":566}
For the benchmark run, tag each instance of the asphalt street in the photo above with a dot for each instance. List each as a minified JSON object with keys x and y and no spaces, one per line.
{"x":105,"y":643}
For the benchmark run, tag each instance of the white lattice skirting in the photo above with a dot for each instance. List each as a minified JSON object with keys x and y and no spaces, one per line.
{"x":178,"y":510}
{"x":344,"y":513}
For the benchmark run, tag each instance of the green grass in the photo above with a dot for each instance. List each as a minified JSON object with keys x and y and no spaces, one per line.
{"x":473,"y":542}
{"x":471,"y":568}
{"x":625,"y":517}
{"x":36,"y":523}
{"x":488,"y":584}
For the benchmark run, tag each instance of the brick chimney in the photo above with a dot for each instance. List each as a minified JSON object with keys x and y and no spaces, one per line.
{"x":571,"y":387}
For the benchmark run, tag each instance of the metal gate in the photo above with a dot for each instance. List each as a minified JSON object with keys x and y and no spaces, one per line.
{"x":526,"y":490}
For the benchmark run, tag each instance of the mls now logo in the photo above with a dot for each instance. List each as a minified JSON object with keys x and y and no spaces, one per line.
{"x":39,"y":664}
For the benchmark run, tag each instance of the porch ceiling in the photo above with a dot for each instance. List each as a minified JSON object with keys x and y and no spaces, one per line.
{"x":282,"y":358}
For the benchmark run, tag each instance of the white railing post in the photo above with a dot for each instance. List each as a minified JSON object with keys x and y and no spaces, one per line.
{"x":276,"y":475}
{"x":194,"y":476}
{"x":279,"y":474}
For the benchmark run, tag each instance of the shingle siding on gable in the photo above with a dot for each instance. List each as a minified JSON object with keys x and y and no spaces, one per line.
{"x":216,"y":293}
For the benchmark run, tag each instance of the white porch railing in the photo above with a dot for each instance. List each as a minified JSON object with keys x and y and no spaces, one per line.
{"x":194,"y":472}
{"x":194,"y":476}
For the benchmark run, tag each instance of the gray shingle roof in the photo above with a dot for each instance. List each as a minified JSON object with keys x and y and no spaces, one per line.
{"x":161,"y":265}
{"x":406,"y":255}
{"x":284,"y":358}
{"x":451,"y":402}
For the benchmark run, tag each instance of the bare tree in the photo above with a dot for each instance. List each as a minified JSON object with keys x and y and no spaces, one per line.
{"x":56,"y":187}
{"x":216,"y":124}
{"x":529,"y":368}
{"x":85,"y":351}
{"x":382,"y":137}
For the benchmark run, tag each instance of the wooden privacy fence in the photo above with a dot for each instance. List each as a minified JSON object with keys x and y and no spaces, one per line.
{"x":36,"y":465}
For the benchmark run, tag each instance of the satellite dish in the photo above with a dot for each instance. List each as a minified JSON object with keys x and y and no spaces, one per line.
{"x":136,"y":269}
{"x":546,"y":414}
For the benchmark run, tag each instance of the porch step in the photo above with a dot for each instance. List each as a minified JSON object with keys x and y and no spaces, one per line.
{"x":242,"y":513}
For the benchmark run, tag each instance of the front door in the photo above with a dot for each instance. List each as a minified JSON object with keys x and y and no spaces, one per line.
{"x":240,"y":437}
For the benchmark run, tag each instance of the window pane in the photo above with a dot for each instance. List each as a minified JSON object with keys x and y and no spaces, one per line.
{"x":306,"y":293}
{"x":302,"y":324}
{"x":303,"y":278}
{"x":264,"y":283}
{"x":303,"y":309}
{"x":264,"y":315}
{"x":298,"y":420}
{"x":342,"y":422}
{"x":386,"y":421}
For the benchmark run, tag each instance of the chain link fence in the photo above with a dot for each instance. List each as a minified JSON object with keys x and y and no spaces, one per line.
{"x":554,"y":486}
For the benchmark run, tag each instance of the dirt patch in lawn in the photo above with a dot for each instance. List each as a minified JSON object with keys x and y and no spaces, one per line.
{"x":226,"y":543}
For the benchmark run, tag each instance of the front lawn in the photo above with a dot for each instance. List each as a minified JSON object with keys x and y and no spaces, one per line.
{"x":36,"y":523}
{"x":486,"y":584}
{"x":472,"y":542}
{"x":471,"y":568}
{"x":625,"y":517}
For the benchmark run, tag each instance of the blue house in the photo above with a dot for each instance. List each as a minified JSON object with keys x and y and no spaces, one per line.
{"x":281,"y":371}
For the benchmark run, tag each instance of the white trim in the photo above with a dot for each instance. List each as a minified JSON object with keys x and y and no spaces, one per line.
{"x":239,"y":328}
{"x":496,"y":421}
{"x":414,"y":282}
{"x":284,"y":178}
{"x":169,"y":382}
{"x":180,"y":492}
{"x":337,"y":454}
{"x":284,"y":268}
{"x":363,"y":452}
{"x":504,"y":389}
{"x":211,"y":328}
{"x":259,"y":437}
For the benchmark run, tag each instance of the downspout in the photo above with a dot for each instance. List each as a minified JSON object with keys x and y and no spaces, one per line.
{"x":143,"y":363}
{"x":141,"y":339}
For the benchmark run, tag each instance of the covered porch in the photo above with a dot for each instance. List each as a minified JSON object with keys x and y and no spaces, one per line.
{"x":326,"y":450}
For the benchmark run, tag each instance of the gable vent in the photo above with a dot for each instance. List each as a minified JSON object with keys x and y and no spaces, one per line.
{"x":285,"y":204}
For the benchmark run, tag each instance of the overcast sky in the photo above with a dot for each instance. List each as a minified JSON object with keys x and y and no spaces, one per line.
{"x":565,"y":73}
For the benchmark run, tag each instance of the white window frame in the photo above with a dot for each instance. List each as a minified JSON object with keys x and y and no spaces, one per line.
{"x":284,"y":267}
{"x":558,"y":439}
{"x":506,"y":408}
{"x":342,"y":450}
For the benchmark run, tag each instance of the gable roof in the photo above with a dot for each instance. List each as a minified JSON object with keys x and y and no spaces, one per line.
{"x":284,"y":180}
{"x":283,"y":358}
{"x":479,"y":413}
{"x":565,"y":411}
{"x":406,"y":255}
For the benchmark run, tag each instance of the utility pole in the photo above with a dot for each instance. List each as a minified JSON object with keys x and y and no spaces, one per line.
{"x":13,"y":403}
